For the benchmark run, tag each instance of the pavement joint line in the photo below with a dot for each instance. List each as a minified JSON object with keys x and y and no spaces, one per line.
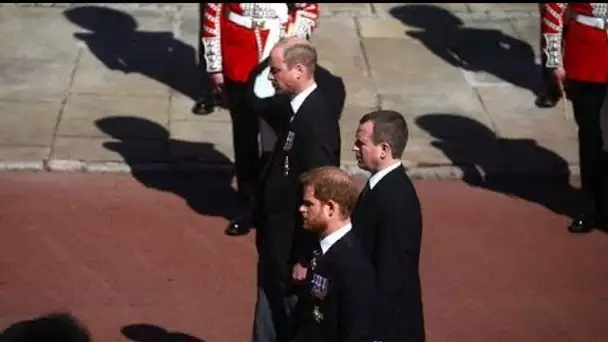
{"x":486,"y":112}
{"x":64,"y":101}
{"x":438,"y":172}
{"x":368,"y":67}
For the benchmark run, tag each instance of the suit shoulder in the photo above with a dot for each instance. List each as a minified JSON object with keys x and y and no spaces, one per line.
{"x":395,"y":191}
{"x":349,"y":257}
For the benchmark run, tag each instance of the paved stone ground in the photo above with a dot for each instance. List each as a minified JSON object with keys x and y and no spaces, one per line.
{"x":86,"y":89}
{"x":137,"y":264}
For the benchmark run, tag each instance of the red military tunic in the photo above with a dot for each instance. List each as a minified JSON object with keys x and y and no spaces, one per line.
{"x":235,"y":34}
{"x":585,"y":56}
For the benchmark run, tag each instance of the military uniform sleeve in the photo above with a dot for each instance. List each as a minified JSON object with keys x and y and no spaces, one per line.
{"x":552,"y":25}
{"x":211,"y":37}
{"x":303,"y":19}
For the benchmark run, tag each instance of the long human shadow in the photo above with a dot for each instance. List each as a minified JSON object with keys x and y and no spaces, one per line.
{"x":473,"y":49}
{"x":151,"y":333}
{"x":141,"y":141}
{"x":55,"y":327}
{"x":455,"y":136}
{"x":114,"y":38}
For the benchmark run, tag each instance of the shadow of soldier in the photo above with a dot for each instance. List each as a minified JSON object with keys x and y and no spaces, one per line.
{"x":142,"y":141}
{"x":555,"y":193}
{"x":152,"y":333}
{"x":471,"y":49}
{"x":56,"y":327}
{"x":114,"y":38}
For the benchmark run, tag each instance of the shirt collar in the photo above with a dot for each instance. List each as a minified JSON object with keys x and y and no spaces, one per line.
{"x":376,"y":177}
{"x":332,"y":238}
{"x":297,"y":100}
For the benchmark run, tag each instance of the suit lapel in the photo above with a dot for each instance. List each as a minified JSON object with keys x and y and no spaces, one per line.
{"x":303,"y":110}
{"x":278,"y":147}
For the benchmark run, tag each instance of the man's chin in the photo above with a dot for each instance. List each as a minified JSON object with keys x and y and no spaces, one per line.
{"x":361,"y":165}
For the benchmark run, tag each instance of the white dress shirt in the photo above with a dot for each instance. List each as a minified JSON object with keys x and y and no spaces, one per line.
{"x":376,"y":177}
{"x":297,"y":100}
{"x":332,"y":238}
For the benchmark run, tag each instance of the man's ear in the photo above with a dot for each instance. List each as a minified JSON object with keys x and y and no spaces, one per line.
{"x":386,"y":148}
{"x":300,"y":69}
{"x":332,"y":208}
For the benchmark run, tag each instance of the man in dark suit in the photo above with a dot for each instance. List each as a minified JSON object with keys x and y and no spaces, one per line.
{"x":388,"y":221}
{"x":338,"y":303}
{"x":308,"y":137}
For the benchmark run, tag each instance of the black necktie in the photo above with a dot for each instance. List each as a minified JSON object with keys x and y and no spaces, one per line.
{"x":364,"y":192}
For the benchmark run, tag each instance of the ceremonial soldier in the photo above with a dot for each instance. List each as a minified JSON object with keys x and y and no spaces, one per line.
{"x":550,"y":93}
{"x":236,"y":37}
{"x":583,"y":69}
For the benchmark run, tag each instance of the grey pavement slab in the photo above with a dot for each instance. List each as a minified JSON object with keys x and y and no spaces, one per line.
{"x":209,"y":142}
{"x":340,"y":53}
{"x":399,"y":66}
{"x":181,"y":109}
{"x":347,"y":9}
{"x":115,"y":116}
{"x":31,"y":80}
{"x":113,"y":150}
{"x":103,"y":87}
{"x":28,"y":123}
{"x":36,"y":33}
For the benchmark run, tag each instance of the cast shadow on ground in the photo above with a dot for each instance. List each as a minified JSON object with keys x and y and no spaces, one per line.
{"x":152,"y":333}
{"x":456,"y":135}
{"x":56,"y":327}
{"x":142,"y":141}
{"x":472,"y":49}
{"x":114,"y":38}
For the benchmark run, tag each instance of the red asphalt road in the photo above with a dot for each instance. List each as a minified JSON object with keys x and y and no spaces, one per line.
{"x":115,"y":253}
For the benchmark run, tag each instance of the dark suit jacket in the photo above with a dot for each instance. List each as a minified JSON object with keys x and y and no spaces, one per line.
{"x":341,"y":309}
{"x":388,"y":222}
{"x":315,"y":136}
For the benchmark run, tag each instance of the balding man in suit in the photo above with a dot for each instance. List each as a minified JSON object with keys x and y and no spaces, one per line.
{"x":308,"y":137}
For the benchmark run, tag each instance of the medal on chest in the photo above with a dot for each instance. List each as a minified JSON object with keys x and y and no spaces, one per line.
{"x":319,"y":286}
{"x":317,"y":314}
{"x":286,"y":148}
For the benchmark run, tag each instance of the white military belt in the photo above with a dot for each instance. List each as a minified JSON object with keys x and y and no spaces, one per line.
{"x":250,"y":22}
{"x":599,"y":23}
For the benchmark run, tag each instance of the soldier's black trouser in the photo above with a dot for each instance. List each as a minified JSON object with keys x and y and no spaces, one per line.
{"x":587,"y":100}
{"x":203,"y":87}
{"x":245,"y":128}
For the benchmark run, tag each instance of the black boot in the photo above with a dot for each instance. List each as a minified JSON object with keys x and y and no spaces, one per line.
{"x":548,"y":98}
{"x":590,"y":218}
{"x":203,"y":106}
{"x":582,"y":224}
{"x":242,"y":223}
